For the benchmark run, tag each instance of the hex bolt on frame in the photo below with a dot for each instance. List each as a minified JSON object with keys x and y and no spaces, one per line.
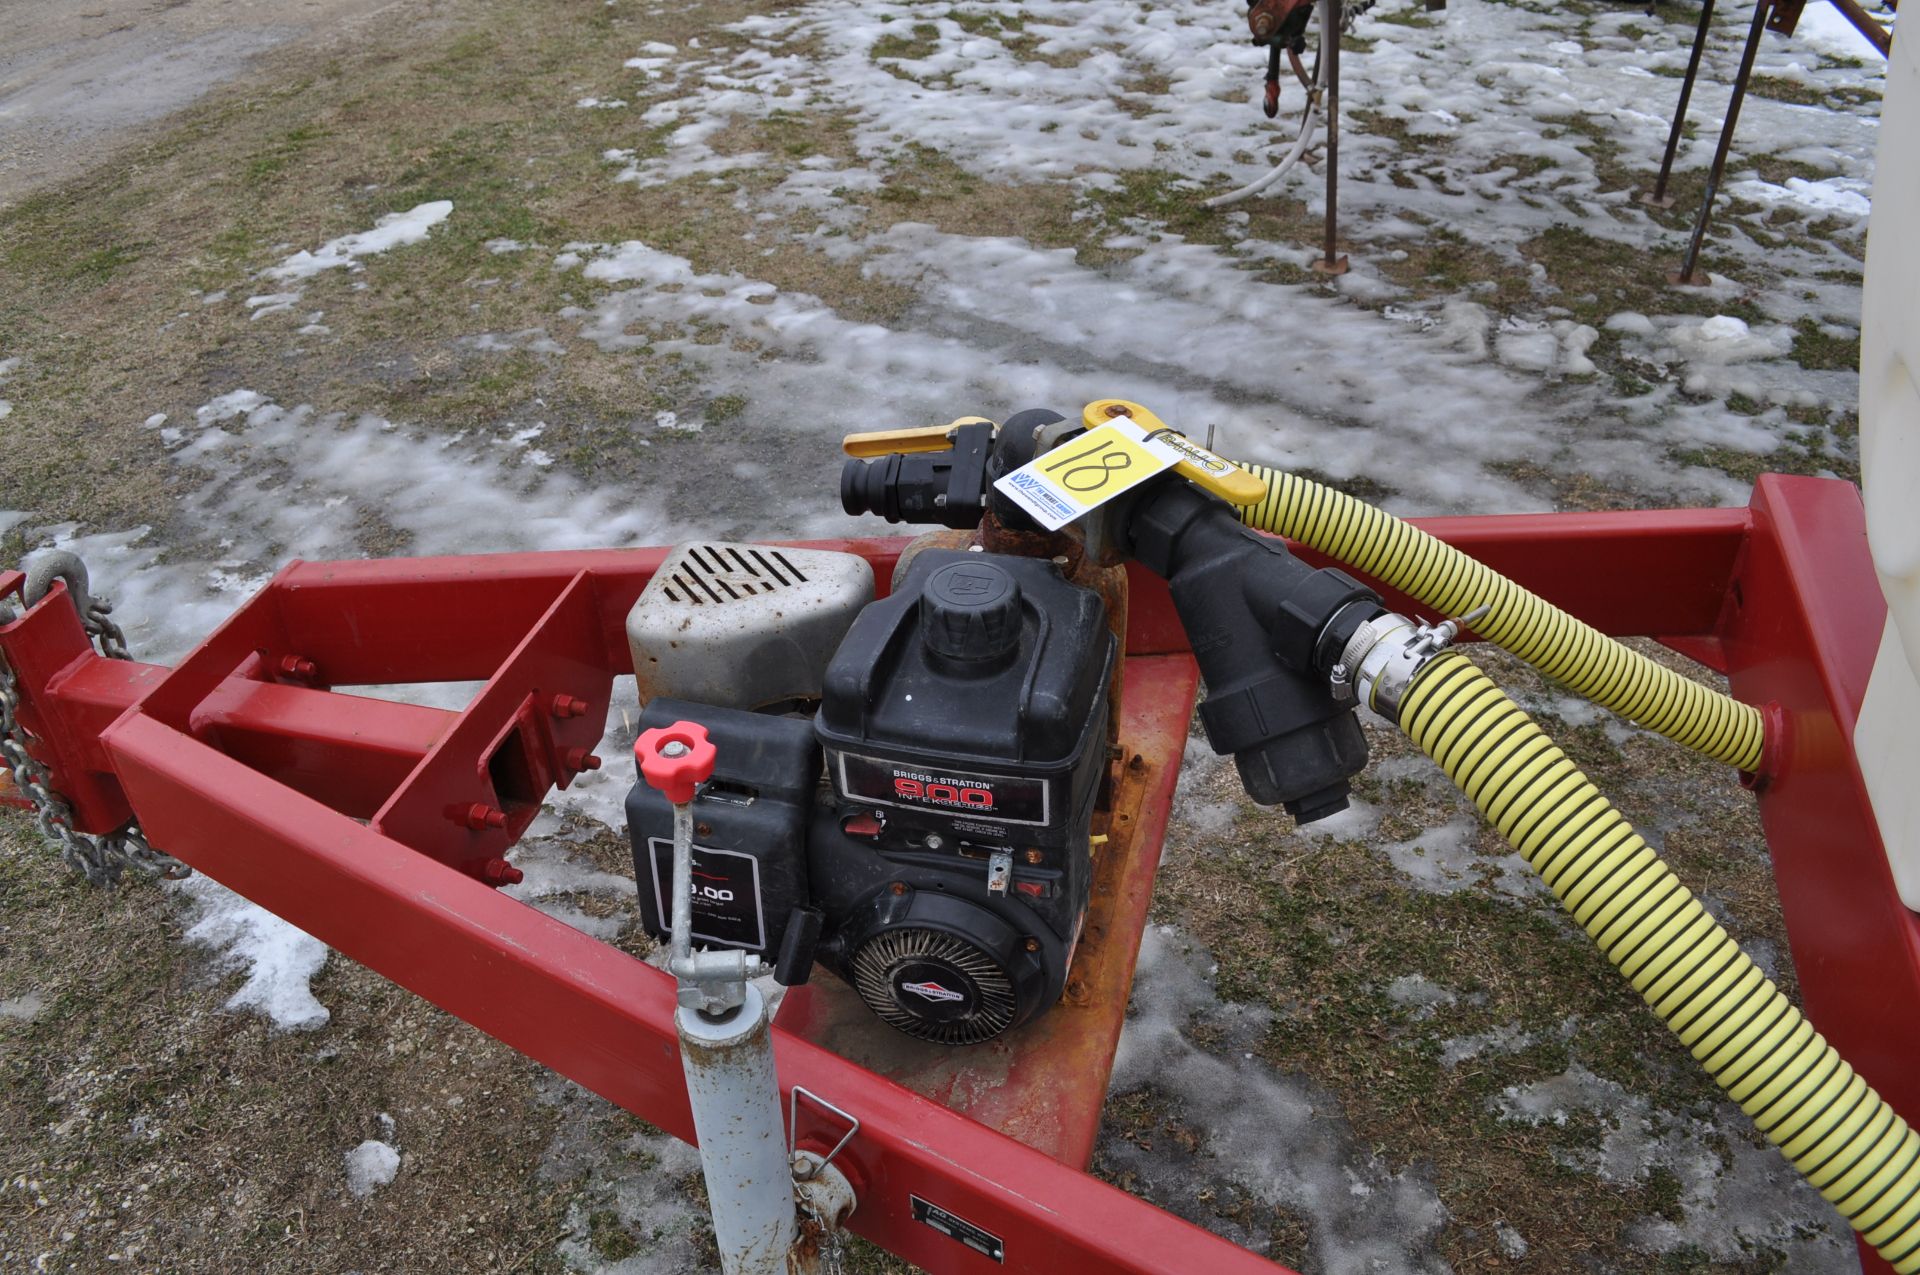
{"x":753,"y":1176}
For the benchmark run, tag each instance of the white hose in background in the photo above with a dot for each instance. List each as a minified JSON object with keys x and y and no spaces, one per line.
{"x":1309,"y":125}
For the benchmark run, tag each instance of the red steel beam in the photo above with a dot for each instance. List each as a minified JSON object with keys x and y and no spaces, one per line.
{"x":1805,"y":626}
{"x":1780,"y":590}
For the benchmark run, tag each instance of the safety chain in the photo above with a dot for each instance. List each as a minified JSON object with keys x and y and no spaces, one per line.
{"x":101,"y":860}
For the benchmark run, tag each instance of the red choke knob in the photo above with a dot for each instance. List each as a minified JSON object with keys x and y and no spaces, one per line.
{"x":675,"y":759}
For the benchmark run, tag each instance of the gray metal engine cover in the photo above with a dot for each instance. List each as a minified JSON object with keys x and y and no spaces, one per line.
{"x":742,"y":625}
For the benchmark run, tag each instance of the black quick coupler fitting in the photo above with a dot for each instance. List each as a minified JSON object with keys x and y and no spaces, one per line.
{"x":945,"y":487}
{"x":1266,"y":630}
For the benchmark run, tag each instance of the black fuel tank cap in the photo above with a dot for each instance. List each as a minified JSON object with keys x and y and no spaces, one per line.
{"x":970,"y":611}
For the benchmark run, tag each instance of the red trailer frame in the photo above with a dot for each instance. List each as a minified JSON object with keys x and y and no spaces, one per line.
{"x":372,"y":825}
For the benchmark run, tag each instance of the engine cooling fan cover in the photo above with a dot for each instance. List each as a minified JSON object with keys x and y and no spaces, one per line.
{"x":946,"y":970}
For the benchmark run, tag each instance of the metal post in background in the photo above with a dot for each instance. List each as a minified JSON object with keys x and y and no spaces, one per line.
{"x":1332,"y":263}
{"x":1705,"y":215}
{"x":1660,"y":198}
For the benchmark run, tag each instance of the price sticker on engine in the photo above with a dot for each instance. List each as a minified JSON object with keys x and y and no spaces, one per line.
{"x":1084,"y":473}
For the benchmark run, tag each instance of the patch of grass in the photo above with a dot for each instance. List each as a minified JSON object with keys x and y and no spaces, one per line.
{"x":1808,"y":452}
{"x":1568,"y":488}
{"x":1444,"y":262}
{"x":1523,"y":166}
{"x":1143,"y":92}
{"x":923,"y":184}
{"x":1783,"y":90}
{"x":1818,"y":351}
{"x":1777,"y":170}
{"x":1360,"y":487}
{"x":986,"y":22}
{"x":1780,"y":89}
{"x":1379,"y":124}
{"x":68,"y":240}
{"x":1601,"y":146}
{"x":1602,"y":277}
{"x":923,"y":40}
{"x":1160,"y":198}
{"x":610,"y":1237}
{"x":1403,"y":18}
{"x":163,"y":1101}
{"x":282,"y":152}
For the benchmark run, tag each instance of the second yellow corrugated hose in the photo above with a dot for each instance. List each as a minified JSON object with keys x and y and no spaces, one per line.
{"x":1441,"y":577}
{"x":1833,"y":1127}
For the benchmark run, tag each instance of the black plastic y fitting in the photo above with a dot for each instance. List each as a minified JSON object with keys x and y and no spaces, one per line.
{"x":1266,"y":629}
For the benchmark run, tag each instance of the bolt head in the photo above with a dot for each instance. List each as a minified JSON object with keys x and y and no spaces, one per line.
{"x":673,"y":748}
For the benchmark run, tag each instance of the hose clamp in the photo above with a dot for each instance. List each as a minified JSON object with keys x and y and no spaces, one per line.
{"x":1378,"y":664}
{"x":1385,"y":654}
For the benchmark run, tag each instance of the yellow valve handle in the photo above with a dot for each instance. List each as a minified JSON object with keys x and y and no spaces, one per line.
{"x":926,"y":438}
{"x":1196,"y":464}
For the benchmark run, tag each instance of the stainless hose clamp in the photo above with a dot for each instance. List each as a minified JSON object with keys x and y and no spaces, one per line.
{"x":1384,"y":655}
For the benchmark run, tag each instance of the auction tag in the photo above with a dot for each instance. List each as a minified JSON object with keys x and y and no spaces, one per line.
{"x":1084,"y":473}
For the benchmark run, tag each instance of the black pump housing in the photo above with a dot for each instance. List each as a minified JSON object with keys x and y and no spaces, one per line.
{"x":1259,"y":619}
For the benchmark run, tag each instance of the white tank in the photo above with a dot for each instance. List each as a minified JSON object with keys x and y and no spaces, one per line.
{"x":1887,"y":737}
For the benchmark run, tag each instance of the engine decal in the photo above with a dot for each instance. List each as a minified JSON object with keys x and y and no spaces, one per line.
{"x":726,"y":894}
{"x":1016,"y":799}
{"x":958,"y":1228}
{"x":932,"y":991}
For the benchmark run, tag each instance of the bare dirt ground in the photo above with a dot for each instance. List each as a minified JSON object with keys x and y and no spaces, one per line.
{"x":77,"y":80}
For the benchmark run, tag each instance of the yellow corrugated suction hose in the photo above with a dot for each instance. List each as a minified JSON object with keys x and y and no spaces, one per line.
{"x":1853,"y":1147}
{"x":1565,"y":649}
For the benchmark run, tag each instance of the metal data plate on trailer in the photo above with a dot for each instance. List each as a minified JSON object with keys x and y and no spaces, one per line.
{"x":958,"y":1228}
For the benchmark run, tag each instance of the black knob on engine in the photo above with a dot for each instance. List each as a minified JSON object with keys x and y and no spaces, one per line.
{"x":970,"y":611}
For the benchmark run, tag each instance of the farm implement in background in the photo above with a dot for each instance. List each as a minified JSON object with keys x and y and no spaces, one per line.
{"x":1281,"y":27}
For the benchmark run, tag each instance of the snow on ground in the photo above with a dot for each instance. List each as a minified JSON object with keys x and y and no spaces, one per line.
{"x":372,"y":1165}
{"x":391,"y":231}
{"x":24,"y":1008}
{"x":637,"y":1175}
{"x":278,"y":958}
{"x":1272,"y":1136}
{"x":1422,"y":395}
{"x":1736,"y":1192}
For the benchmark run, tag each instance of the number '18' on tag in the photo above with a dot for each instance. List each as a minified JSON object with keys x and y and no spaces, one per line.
{"x":1084,"y":473}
